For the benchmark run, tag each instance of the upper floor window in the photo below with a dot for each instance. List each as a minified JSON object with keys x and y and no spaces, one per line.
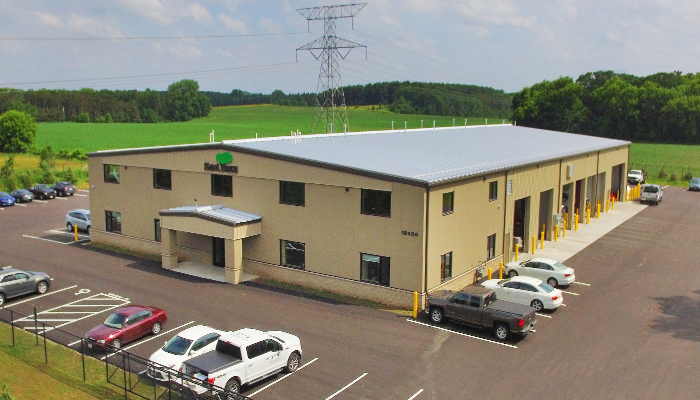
{"x":493,"y":190}
{"x":222,"y":185}
{"x":292,"y":193}
{"x":448,"y":203}
{"x":162,"y":179}
{"x":376,"y":202}
{"x":111,"y":173}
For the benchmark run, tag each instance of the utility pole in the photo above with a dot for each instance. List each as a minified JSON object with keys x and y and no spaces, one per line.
{"x":330,"y":99}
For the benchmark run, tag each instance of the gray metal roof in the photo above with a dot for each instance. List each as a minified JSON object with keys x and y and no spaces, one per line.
{"x":428,"y":157}
{"x":217,"y":213}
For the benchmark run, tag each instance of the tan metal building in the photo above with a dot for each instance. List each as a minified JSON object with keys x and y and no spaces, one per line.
{"x":375,"y":215}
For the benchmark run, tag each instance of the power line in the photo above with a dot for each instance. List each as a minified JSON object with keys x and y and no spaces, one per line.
{"x":36,"y":39}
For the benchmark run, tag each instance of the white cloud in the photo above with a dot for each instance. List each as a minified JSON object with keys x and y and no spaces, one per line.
{"x":235,"y":25}
{"x":184,"y":50}
{"x":153,"y":9}
{"x":49,"y":19}
{"x":269,"y":26}
{"x":79,"y":23}
{"x":200,"y":13}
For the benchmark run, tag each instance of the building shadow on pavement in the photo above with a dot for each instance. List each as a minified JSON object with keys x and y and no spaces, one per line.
{"x":678,"y":316}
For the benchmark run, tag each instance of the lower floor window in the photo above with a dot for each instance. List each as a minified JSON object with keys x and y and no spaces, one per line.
{"x":157,"y":229}
{"x":374,"y":269}
{"x":292,"y":254}
{"x":446,"y":267}
{"x":491,"y":247}
{"x":113,"y":222}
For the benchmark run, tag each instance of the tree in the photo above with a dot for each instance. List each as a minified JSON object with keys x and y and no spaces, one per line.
{"x":82,"y":118}
{"x":17,"y":132}
{"x":183,"y":101}
{"x":552,"y":105}
{"x":19,"y":106}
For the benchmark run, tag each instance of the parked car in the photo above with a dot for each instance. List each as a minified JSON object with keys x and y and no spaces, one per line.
{"x":63,"y":188}
{"x":42,"y":191}
{"x":551,"y":271}
{"x":694,"y":184}
{"x":6,"y":200}
{"x":243,"y":357}
{"x":22,"y":195}
{"x":189,"y":343}
{"x":480,"y":307}
{"x":80,"y":218}
{"x":126,"y":325}
{"x":651,"y":194}
{"x":15,"y":282}
{"x":526,"y":290}
{"x":636,"y":176}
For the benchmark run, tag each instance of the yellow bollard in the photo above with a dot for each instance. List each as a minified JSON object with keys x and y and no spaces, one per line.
{"x":415,"y":304}
{"x":597,"y":214}
{"x":563,"y":232}
{"x":517,"y":248}
{"x":556,"y":232}
{"x":534,"y":245}
{"x":542,"y":241}
{"x":588,"y":216}
{"x":618,"y":196}
{"x":75,"y":227}
{"x":489,"y":273}
{"x":613,"y":203}
{"x":500,"y":271}
{"x":607,"y":206}
{"x":576,"y":221}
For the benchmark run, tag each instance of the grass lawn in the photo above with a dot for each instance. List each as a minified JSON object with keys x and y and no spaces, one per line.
{"x":30,"y":161}
{"x":672,"y":157}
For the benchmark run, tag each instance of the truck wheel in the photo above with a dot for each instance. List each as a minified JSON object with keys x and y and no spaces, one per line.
{"x":537,"y":305}
{"x":437,"y":315}
{"x":233,"y":385}
{"x":501,"y":331}
{"x":552,"y":282}
{"x":293,"y":362}
{"x":512,"y":273}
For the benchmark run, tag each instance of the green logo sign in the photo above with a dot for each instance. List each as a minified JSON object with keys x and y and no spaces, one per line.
{"x":224,"y":158}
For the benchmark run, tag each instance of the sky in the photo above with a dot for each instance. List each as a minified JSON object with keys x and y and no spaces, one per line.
{"x":252,"y":45}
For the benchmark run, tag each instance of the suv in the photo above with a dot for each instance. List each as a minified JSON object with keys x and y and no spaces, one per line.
{"x":63,"y":188}
{"x":15,"y":282}
{"x":79,"y":218}
{"x":42,"y":191}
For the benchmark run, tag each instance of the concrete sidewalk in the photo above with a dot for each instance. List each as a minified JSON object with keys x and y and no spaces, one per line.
{"x":575,"y":241}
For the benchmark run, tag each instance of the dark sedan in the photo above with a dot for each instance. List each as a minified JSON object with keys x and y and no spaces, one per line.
{"x":15,"y":282}
{"x":42,"y":191}
{"x":22,"y":195}
{"x":126,"y":325}
{"x":63,"y":188}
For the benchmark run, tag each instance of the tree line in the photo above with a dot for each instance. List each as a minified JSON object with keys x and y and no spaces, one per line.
{"x":659,"y":108}
{"x":181,"y":102}
{"x":399,"y":97}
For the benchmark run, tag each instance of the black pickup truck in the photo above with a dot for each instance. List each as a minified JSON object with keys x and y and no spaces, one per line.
{"x":478,"y":306}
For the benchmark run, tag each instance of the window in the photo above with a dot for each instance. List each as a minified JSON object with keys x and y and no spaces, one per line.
{"x":156,"y":223}
{"x":222,"y":185}
{"x":448,"y":203}
{"x":374,"y":269}
{"x":162,"y":179}
{"x":376,"y":202}
{"x":8,"y":278}
{"x":491,"y":247}
{"x":292,"y":193}
{"x":445,"y":267}
{"x":474,"y":302}
{"x":255,"y":349}
{"x":493,"y":190}
{"x":111,"y":173}
{"x":113,"y":222}
{"x":292,"y":254}
{"x":461,"y":298}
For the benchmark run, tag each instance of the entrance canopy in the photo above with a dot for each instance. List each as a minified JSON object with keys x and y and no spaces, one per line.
{"x":216,"y":221}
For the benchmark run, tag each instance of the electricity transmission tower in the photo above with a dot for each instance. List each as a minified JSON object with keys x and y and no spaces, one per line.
{"x":330,"y":98}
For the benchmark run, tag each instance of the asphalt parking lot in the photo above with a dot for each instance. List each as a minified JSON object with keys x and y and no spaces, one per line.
{"x":631,"y":332}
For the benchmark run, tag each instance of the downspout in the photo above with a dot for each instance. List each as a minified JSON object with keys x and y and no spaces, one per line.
{"x":597,"y":184}
{"x":425,"y":257}
{"x":505,"y":222}
{"x":558,"y":209}
{"x":623,"y":178}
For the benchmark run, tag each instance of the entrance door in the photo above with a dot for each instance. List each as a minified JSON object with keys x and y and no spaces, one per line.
{"x":577,"y":199}
{"x":519,"y":220}
{"x":218,"y":252}
{"x":567,"y":200}
{"x":617,"y":179}
{"x":545,"y":213}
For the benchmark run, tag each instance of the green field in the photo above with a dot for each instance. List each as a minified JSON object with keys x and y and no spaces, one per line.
{"x":226,"y":122}
{"x":672,"y":157}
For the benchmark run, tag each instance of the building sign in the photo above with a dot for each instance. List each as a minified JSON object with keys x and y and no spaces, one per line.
{"x":222,"y":159}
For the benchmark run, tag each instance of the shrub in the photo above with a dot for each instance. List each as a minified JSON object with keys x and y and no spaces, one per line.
{"x":25,"y":179}
{"x":5,"y":395}
{"x":82,"y":118}
{"x":68,"y":176}
{"x":46,"y":175}
{"x":674,"y":176}
{"x":688,"y":175}
{"x":663,"y":174}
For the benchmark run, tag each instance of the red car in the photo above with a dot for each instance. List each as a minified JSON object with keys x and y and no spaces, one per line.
{"x":127,"y":324}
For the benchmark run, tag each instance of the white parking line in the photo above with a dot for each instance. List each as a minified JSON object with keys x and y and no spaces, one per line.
{"x":575,"y":294}
{"x":542,"y":315}
{"x":81,"y":195}
{"x":55,"y":241}
{"x":346,"y":386}
{"x":21,"y":205}
{"x":40,"y":296}
{"x":462,"y":334}
{"x":61,"y":198}
{"x":69,"y":233}
{"x":151,"y":338}
{"x":284,"y":377}
{"x":40,"y":201}
{"x":581,"y":283}
{"x":415,"y":395}
{"x":83,"y":190}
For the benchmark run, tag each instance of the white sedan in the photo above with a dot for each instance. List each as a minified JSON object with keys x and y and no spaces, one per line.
{"x":551,"y":271}
{"x":183,"y":346}
{"x":525,"y":290}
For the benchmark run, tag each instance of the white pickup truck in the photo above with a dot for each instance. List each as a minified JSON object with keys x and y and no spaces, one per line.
{"x":651,"y":194}
{"x":244,"y":357}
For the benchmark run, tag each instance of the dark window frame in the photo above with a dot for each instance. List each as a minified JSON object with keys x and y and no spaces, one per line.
{"x":111,"y":221}
{"x":217,"y":189}
{"x":374,"y":204}
{"x":446,"y":267}
{"x":493,"y":190}
{"x":448,"y":203}
{"x":382,"y":275}
{"x":159,"y":180}
{"x":491,"y":247}
{"x":156,"y":226}
{"x":110,"y":177}
{"x":291,"y":260}
{"x":293,"y":193}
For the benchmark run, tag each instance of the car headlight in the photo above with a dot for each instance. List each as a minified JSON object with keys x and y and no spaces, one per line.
{"x":101,"y":341}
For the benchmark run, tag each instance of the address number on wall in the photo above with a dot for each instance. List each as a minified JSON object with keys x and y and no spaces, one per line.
{"x":409,"y":233}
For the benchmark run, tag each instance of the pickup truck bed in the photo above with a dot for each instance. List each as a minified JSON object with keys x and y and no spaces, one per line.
{"x":212,"y":361}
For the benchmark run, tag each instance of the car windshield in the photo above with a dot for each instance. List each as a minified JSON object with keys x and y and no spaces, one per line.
{"x":42,"y":186}
{"x":115,"y":321}
{"x":177,"y":345}
{"x":695,"y":180}
{"x":502,"y":281}
{"x":560,"y":266}
{"x":3,"y":194}
{"x":546,"y":287}
{"x":651,"y":189}
{"x":87,"y":215}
